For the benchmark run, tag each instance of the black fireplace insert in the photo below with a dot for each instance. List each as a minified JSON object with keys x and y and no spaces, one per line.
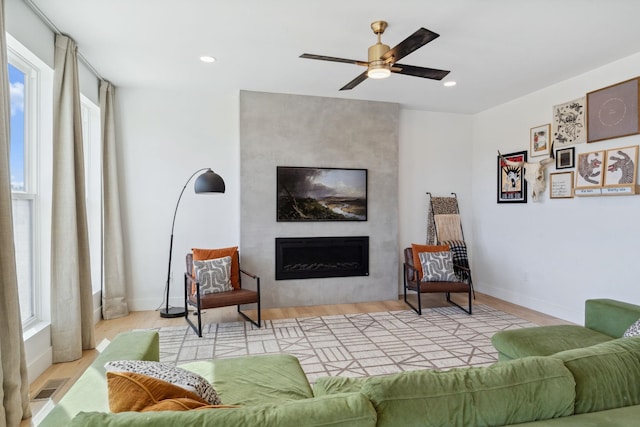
{"x":313,"y":257}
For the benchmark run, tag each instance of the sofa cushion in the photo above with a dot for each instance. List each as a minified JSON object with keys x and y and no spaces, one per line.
{"x":606,"y":374}
{"x":619,"y":417}
{"x":337,"y":410}
{"x":334,"y":385}
{"x":255,"y":380}
{"x":544,"y":340}
{"x":505,"y":393}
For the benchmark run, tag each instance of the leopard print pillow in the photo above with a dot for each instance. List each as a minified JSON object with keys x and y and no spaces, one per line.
{"x":633,"y":330}
{"x":169,"y":373}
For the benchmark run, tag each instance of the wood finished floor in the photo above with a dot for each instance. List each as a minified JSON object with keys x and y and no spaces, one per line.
{"x":108,"y":329}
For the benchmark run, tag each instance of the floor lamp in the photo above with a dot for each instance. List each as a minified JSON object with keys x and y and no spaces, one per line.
{"x":208,"y":182}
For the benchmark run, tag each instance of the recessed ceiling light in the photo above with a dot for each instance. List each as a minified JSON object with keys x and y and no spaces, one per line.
{"x":450,"y":83}
{"x":208,"y":59}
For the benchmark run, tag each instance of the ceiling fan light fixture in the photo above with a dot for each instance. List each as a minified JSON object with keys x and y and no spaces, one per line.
{"x":379,"y":71}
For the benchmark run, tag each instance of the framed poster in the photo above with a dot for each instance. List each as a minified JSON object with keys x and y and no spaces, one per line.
{"x":512,"y":187}
{"x":539,"y":140}
{"x":621,"y":166}
{"x":590,"y":169}
{"x":569,"y":127}
{"x":321,"y":194}
{"x":561,"y":185}
{"x":566,"y":158}
{"x":613,"y":111}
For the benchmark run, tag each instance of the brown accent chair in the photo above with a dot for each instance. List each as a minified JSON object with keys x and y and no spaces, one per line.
{"x":236,"y":297}
{"x":413,"y":282}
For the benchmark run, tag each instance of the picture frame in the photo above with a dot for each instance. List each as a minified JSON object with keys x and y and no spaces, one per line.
{"x":540,"y":140}
{"x":561,"y":185}
{"x":512,"y":187}
{"x":569,"y":123}
{"x":565,"y":158}
{"x":590,"y":169}
{"x":321,"y":194}
{"x":621,"y":166}
{"x":613,"y":111}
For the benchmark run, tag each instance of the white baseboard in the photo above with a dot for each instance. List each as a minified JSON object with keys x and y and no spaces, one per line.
{"x":551,"y":308}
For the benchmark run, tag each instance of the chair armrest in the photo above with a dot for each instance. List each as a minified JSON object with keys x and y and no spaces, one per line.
{"x":254,"y":277}
{"x":411,"y":273}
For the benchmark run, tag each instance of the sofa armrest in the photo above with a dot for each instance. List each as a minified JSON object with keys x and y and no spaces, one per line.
{"x":609,"y":316}
{"x":89,"y":392}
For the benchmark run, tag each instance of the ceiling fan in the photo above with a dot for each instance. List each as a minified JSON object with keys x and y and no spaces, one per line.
{"x":383,"y":60}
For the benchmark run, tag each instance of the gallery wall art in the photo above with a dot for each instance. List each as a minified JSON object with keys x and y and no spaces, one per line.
{"x":613,"y":111}
{"x":621,"y":166}
{"x":512,"y":187}
{"x":540,"y":140}
{"x":569,"y":127}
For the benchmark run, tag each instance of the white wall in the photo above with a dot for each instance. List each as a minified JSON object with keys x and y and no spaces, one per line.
{"x":435,"y":157}
{"x":553,"y":254}
{"x":165,"y":135}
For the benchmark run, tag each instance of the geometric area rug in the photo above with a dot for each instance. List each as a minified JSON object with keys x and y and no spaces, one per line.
{"x":354,"y":345}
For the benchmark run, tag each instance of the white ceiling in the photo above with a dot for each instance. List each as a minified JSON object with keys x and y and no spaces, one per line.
{"x":497,"y":50}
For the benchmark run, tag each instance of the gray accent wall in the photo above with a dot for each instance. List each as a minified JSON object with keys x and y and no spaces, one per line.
{"x":291,"y":130}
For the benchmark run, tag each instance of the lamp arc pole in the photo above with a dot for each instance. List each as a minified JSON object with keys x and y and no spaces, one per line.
{"x":208,"y":182}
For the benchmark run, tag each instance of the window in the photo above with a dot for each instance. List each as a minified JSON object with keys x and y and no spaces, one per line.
{"x":22,"y":186}
{"x":30,"y":83}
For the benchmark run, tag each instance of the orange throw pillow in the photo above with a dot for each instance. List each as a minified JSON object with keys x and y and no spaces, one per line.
{"x":129,"y":391}
{"x":424,"y":248}
{"x":204,"y":254}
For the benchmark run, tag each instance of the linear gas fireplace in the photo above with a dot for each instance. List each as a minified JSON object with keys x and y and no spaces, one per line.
{"x":312,"y":257}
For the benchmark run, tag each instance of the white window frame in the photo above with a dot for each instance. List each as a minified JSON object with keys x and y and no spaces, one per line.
{"x":38,"y":159}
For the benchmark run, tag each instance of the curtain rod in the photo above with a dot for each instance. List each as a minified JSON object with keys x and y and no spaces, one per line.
{"x":55,"y":29}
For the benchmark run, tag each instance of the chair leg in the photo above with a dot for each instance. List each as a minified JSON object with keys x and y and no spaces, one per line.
{"x":250,"y":319}
{"x":450,"y":301}
{"x":197,"y":330}
{"x":406,"y":300}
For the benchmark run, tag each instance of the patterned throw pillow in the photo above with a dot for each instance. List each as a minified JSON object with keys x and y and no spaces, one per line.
{"x":437,"y":267}
{"x":213,"y":275}
{"x":633,"y":330}
{"x":167,"y":372}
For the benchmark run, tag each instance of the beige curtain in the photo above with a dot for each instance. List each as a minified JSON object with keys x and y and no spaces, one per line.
{"x":13,"y":368}
{"x":71,"y":294}
{"x":114,"y":289}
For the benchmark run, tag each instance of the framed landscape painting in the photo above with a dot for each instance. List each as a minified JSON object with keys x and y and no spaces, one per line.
{"x":321,"y":194}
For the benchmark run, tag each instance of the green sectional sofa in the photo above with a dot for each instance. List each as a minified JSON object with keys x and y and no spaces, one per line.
{"x":605,"y":320}
{"x":598,"y":385}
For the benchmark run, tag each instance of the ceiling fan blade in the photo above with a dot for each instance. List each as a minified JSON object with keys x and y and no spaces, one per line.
{"x":355,"y":82}
{"x":333,"y":59}
{"x":408,"y":45}
{"x":427,"y":73}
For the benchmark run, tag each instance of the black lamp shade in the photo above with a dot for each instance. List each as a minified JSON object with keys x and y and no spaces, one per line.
{"x":209,"y":182}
